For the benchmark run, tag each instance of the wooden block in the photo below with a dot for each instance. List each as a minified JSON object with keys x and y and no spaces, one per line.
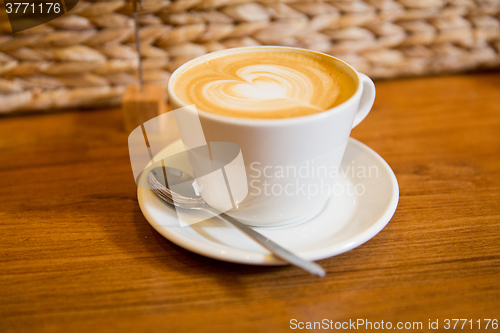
{"x":139,"y":107}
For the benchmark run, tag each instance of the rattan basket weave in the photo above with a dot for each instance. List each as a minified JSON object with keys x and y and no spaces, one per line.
{"x":87,"y":57}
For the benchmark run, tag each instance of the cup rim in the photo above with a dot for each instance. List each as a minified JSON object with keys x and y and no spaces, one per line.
{"x":263,"y":121}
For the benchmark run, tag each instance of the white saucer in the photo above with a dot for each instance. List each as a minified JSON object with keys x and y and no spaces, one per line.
{"x":347,"y":221}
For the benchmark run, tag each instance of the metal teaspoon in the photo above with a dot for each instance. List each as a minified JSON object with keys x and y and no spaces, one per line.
{"x":190,"y":200}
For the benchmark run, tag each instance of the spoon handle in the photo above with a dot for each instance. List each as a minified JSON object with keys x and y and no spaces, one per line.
{"x":276,"y":249}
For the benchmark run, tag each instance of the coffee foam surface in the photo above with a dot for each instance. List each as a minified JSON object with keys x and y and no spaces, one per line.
{"x":265,"y":84}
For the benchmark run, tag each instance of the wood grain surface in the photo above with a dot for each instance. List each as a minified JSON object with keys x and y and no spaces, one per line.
{"x":77,"y":255}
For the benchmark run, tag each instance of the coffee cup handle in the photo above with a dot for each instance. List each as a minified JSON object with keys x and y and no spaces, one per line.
{"x":367,"y":99}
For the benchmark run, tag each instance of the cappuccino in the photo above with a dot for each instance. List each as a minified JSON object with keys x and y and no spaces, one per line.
{"x":283,"y":107}
{"x":265,"y":83}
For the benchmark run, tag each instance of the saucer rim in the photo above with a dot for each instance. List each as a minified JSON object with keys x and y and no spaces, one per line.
{"x":253,"y":258}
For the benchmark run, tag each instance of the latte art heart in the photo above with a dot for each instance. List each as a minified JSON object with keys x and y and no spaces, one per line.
{"x":262,"y":88}
{"x":264,"y":85}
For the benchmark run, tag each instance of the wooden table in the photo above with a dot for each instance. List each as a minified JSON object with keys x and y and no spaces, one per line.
{"x":77,"y":255}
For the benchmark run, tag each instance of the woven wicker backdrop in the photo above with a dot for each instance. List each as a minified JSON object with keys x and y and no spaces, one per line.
{"x":87,"y":57}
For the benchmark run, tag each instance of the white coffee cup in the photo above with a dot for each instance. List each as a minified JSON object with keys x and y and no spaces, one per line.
{"x":278,"y":153}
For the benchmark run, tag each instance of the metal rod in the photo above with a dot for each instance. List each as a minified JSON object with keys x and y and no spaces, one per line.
{"x":138,"y":45}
